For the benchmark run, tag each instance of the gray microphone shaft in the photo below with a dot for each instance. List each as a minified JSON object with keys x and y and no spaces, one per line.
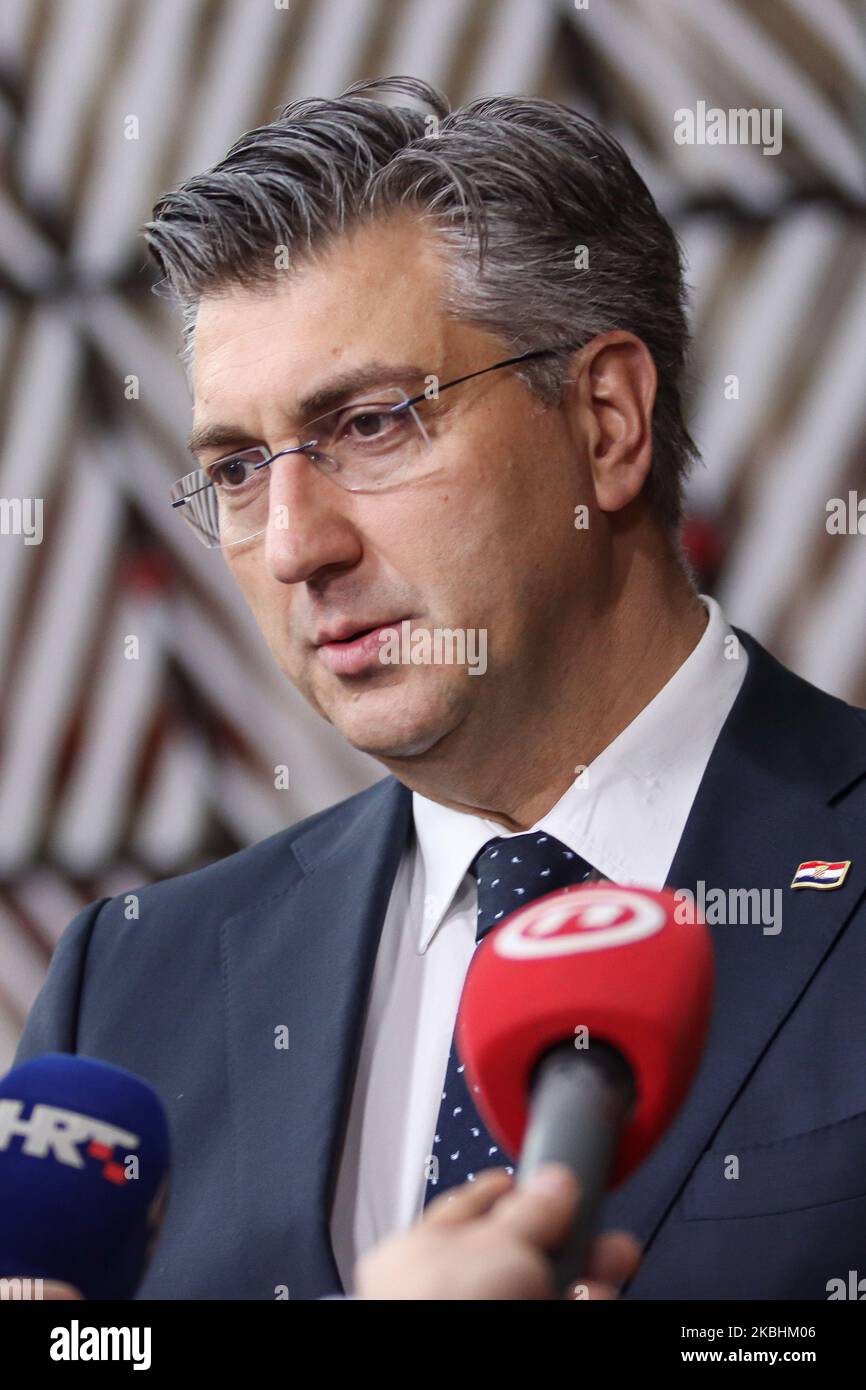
{"x":579,"y":1103}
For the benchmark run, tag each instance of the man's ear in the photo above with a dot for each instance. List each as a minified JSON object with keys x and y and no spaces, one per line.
{"x":613,"y":404}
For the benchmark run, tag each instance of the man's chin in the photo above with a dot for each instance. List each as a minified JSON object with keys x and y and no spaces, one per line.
{"x":385,"y":727}
{"x":388,"y":744}
{"x":397,"y":713}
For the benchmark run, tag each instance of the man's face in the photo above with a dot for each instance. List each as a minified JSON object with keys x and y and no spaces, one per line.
{"x":485,"y":539}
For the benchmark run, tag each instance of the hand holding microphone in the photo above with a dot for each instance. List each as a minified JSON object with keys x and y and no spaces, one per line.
{"x":490,"y":1239}
{"x":581,"y":1026}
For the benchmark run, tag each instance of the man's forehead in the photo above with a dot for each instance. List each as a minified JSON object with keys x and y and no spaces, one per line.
{"x":382,"y":277}
{"x":277,"y":330}
{"x":346,"y":322}
{"x":271,"y":345}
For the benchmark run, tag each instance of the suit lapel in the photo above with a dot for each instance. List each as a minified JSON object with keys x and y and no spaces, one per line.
{"x":762,"y":808}
{"x":302,"y":960}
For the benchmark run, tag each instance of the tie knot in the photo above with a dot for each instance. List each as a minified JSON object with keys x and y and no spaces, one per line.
{"x":515,"y":871}
{"x":484,"y":850}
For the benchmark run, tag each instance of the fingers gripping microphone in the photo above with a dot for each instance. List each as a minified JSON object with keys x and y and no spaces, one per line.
{"x":581,"y":1025}
{"x":84,"y":1158}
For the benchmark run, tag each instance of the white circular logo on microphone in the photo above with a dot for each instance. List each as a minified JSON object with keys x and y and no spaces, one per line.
{"x":585,"y":920}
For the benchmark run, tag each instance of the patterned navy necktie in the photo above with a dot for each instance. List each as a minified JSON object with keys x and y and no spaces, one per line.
{"x":511,"y":872}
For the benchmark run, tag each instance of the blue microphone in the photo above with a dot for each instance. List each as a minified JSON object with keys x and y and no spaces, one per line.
{"x":84,"y":1162}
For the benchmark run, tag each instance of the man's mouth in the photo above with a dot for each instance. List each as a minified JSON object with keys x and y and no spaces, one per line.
{"x":351,"y":652}
{"x":350,"y":631}
{"x":353,"y":636}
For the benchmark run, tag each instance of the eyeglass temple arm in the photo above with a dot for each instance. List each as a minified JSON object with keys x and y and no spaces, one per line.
{"x":509,"y":362}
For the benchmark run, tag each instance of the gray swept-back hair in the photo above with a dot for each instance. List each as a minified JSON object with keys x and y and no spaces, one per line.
{"x":513,"y":185}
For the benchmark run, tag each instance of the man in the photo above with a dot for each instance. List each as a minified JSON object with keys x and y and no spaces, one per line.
{"x":381,"y":474}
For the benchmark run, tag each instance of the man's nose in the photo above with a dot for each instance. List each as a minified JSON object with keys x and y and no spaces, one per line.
{"x":307,"y":528}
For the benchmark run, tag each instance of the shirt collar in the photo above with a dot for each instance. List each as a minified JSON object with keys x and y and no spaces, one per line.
{"x":626,"y":812}
{"x":448,"y":841}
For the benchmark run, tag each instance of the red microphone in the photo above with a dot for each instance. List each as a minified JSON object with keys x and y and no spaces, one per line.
{"x":581,"y":1026}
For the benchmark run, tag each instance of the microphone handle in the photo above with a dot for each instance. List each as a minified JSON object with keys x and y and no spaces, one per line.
{"x":579,"y":1103}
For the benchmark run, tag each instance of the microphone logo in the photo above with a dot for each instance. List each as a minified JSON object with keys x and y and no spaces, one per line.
{"x":578,"y":919}
{"x":56,"y":1132}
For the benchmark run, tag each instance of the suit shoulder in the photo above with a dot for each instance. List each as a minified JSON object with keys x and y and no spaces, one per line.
{"x":230,"y":884}
{"x":801,"y":735}
{"x":797,"y":698}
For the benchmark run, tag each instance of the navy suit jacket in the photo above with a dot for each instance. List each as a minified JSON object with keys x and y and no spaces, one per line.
{"x":285,"y":934}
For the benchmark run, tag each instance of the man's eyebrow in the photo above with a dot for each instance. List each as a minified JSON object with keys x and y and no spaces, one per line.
{"x":335,"y":392}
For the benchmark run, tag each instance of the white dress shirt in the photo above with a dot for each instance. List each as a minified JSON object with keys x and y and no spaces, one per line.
{"x":625,"y":815}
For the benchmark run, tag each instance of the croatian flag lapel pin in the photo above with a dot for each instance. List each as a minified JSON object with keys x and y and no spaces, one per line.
{"x":821,"y":873}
